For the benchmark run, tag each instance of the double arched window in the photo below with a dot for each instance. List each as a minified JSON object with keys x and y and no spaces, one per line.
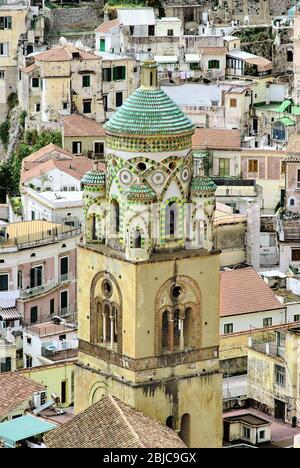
{"x":177,"y":329}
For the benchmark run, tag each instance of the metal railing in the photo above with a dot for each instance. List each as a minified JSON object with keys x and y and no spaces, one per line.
{"x":29,"y":292}
{"x":45,"y":237}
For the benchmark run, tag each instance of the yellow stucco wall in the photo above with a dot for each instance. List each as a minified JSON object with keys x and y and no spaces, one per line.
{"x":52,"y":377}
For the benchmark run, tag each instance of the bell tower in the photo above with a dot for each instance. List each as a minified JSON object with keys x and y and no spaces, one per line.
{"x":148,"y":275}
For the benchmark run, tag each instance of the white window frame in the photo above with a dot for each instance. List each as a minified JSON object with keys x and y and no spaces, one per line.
{"x":5,"y":49}
{"x":5,"y":274}
{"x":68,"y":295}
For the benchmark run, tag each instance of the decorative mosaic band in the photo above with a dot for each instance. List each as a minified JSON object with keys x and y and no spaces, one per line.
{"x":151,"y":144}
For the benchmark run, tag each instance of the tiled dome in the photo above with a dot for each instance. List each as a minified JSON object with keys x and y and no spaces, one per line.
{"x":203,"y":184}
{"x":140,"y":192}
{"x":94,"y":178}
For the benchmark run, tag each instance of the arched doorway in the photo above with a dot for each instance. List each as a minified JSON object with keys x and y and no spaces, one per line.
{"x":185,"y":429}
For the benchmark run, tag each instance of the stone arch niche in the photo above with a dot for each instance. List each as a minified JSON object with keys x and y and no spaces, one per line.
{"x":106,"y":312}
{"x":97,"y":391}
{"x":178,"y":316}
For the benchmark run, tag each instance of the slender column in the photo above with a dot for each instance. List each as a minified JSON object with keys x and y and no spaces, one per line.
{"x":181,"y":342}
{"x":104,"y":326}
{"x":111,"y":331}
{"x":171,"y":331}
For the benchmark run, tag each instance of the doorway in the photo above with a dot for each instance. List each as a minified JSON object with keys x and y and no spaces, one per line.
{"x":279,"y":410}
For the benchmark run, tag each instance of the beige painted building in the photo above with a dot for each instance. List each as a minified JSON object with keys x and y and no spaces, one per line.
{"x":16,"y":34}
{"x":8,"y":356}
{"x":273,"y":374}
{"x":83,"y":136}
{"x":60,"y":81}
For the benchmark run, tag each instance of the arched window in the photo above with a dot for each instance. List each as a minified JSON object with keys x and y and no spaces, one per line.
{"x":185,"y":429}
{"x":292,"y":202}
{"x":165,"y":330}
{"x":116,"y":216}
{"x":94,"y":227}
{"x":100,"y":322}
{"x":278,"y":131}
{"x":171,"y":219}
{"x":137,"y":239}
{"x":106,"y":324}
{"x":151,"y":78}
{"x":115,"y":318}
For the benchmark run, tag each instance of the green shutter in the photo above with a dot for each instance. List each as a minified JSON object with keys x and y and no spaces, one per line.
{"x":115,"y":73}
{"x":102,"y":45}
{"x":123,"y":73}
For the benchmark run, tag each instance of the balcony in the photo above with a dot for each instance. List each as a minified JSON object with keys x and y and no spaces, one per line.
{"x":60,"y":355}
{"x":9,"y":333}
{"x":46,"y":287}
{"x":268,"y":348}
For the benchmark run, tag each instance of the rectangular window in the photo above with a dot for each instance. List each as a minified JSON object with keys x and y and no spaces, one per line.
{"x":98,"y":148}
{"x":213,"y":64}
{"x":295,"y":255}
{"x":267,"y":322}
{"x":76,"y":147}
{"x":105,"y":102}
{"x":37,"y":107}
{"x":262,"y":435}
{"x":119,"y":73}
{"x":32,"y":216}
{"x":64,"y":267}
{"x":253,"y":165}
{"x":20,"y":279}
{"x":33,"y":314}
{"x":52,"y":306}
{"x":233,"y":103}
{"x":151,"y":30}
{"x":36,"y":276}
{"x":87,"y":106}
{"x":64,"y":302}
{"x":106,"y":73}
{"x":170,"y":32}
{"x":228,"y":328}
{"x":224,"y":167}
{"x":102,"y":45}
{"x":5,"y":364}
{"x":28,"y":340}
{"x":246,"y":432}
{"x":282,"y":167}
{"x":35,"y":82}
{"x":65,"y":105}
{"x":63,"y":393}
{"x":28,"y":360}
{"x":86,"y":81}
{"x":2,"y":74}
{"x":5,"y":22}
{"x":119,"y":99}
{"x":297,"y":318}
{"x":4,"y":49}
{"x":4,"y":282}
{"x":280,"y":375}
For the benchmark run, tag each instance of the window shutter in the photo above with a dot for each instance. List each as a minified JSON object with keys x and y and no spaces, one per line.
{"x":115,"y":73}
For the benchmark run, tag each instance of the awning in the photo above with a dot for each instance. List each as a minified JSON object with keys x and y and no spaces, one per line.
{"x":261,"y":63}
{"x":22,"y":428}
{"x":10,"y":313}
{"x":192,"y":58}
{"x":166,"y":58}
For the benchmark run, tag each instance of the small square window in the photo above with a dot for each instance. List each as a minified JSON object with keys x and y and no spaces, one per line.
{"x":262,"y":435}
{"x":35,"y":82}
{"x":297,"y":318}
{"x":28,"y":341}
{"x":233,"y":103}
{"x":246,"y":432}
{"x":228,"y":328}
{"x":267,"y":322}
{"x":37,"y":107}
{"x":65,"y":105}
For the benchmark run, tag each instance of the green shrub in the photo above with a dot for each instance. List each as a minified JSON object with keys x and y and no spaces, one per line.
{"x":12,"y":101}
{"x":4,"y":132}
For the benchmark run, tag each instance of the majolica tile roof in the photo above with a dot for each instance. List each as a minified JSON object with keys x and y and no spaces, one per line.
{"x":140,"y":192}
{"x":149,"y":112}
{"x":94,"y":178}
{"x":110,"y":423}
{"x":202,"y":184}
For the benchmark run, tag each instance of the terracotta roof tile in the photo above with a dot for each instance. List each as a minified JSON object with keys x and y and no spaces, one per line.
{"x":108,"y":25}
{"x":110,"y":423}
{"x":47,"y":151}
{"x":63,"y":53}
{"x":79,"y":125}
{"x":244,"y":291}
{"x":217,"y":138}
{"x":30,"y":68}
{"x":213,"y":50}
{"x":77,"y":168}
{"x":14,"y":390}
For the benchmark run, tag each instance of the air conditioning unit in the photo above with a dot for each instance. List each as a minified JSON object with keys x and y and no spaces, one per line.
{"x":39,"y":398}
